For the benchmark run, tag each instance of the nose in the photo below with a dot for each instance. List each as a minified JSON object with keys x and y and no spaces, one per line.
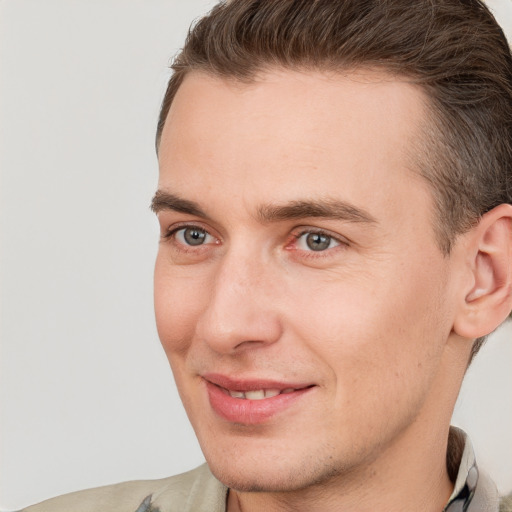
{"x":240,"y":312}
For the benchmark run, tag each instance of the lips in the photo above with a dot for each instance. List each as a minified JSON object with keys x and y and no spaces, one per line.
{"x":251,"y":401}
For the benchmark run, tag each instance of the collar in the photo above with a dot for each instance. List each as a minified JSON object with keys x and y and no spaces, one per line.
{"x":473,"y":490}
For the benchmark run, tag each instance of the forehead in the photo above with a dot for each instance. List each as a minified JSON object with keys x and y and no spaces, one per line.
{"x":288,"y":134}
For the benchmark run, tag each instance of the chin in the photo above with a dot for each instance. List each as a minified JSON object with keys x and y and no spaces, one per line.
{"x":248,"y":475}
{"x":249,"y":480}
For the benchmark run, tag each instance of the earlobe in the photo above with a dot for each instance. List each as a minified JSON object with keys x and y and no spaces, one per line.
{"x":489,"y":300}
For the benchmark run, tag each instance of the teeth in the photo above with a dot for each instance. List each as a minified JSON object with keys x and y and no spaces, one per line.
{"x":258,"y":394}
{"x":255,"y":395}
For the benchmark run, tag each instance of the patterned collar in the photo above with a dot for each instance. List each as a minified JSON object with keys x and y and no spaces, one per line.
{"x":473,"y":490}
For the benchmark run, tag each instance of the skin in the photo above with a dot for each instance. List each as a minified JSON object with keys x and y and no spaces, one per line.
{"x":368,"y":321}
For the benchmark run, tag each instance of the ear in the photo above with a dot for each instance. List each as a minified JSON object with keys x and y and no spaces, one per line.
{"x":487,"y":299}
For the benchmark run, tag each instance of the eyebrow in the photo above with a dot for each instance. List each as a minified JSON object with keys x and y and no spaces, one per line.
{"x":299,"y":209}
{"x":328,"y":208}
{"x":166,"y":201}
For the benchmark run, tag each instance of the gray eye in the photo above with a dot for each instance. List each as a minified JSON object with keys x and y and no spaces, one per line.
{"x":318,"y":241}
{"x":193,"y":236}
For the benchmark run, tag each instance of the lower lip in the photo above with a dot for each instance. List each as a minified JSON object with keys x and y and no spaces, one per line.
{"x":250,"y":412}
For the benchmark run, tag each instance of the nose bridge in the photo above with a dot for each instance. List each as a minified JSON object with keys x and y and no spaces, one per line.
{"x":239,"y":311}
{"x":240,"y":271}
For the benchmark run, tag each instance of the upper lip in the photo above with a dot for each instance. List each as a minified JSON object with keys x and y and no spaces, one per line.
{"x":247,"y":384}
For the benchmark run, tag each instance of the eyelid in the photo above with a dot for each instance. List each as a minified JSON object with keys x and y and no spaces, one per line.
{"x":176,"y":226}
{"x":299,"y":232}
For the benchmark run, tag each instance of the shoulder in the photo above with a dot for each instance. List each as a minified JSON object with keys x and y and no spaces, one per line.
{"x":506,"y":503}
{"x":197,"y":490}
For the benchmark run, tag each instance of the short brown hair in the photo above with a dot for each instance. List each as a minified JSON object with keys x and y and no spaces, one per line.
{"x":454,"y":49}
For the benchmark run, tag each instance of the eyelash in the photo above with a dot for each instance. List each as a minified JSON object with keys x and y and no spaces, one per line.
{"x":171,"y":234}
{"x":341,"y":243}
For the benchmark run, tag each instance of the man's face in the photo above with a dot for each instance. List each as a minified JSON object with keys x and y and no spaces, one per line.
{"x":301,"y":298}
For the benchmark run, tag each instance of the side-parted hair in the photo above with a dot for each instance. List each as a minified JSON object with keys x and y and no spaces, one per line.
{"x":453,"y":49}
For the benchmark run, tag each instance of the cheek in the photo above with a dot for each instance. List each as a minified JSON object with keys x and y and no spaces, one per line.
{"x":374,"y":330}
{"x":178,"y":302}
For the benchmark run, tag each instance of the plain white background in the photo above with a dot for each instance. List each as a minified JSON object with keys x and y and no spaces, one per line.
{"x":86,"y":394}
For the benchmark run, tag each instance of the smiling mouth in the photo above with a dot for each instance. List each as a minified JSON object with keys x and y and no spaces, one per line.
{"x":251,"y":401}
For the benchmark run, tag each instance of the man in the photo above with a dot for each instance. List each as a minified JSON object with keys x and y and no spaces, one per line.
{"x":335,"y":204}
